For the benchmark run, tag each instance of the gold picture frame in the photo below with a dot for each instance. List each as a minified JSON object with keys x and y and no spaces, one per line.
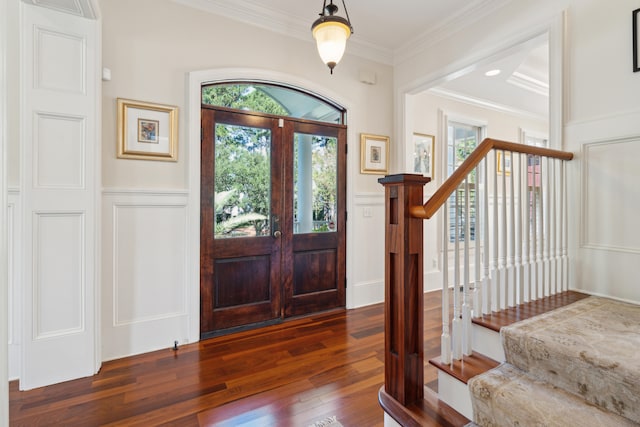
{"x":147,"y":131}
{"x":423,"y":154}
{"x":374,"y":154}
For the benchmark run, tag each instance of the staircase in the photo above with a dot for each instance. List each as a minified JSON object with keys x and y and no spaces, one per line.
{"x":574,"y":366}
{"x":509,"y":258}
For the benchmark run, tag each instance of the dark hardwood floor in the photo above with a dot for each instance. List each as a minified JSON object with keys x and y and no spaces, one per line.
{"x":291,"y":374}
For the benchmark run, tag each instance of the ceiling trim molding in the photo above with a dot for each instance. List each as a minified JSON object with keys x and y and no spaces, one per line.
{"x":280,"y":22}
{"x":526,"y":82}
{"x":474,"y":12}
{"x":483,"y":103}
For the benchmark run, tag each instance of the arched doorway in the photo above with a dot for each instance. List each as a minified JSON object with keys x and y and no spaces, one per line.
{"x":273,"y":205}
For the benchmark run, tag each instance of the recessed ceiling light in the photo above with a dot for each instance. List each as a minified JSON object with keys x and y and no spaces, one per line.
{"x":492,"y":73}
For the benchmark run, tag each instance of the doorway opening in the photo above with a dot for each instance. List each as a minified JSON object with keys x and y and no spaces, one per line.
{"x":273,"y":206}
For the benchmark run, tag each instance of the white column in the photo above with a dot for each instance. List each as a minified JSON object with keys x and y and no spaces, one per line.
{"x":305,"y":184}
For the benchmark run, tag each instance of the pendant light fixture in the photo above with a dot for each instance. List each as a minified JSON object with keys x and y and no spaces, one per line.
{"x":331,"y":33}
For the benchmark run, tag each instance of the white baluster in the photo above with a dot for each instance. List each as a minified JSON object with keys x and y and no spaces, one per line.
{"x":445,"y":338}
{"x":495,"y":275}
{"x":511,"y":274}
{"x":547,"y":229}
{"x":553,"y":253}
{"x":565,"y":228}
{"x":519,"y":234}
{"x":466,"y":305}
{"x":477,"y":208}
{"x":504,"y":279}
{"x":534,"y":230}
{"x":486,"y":285}
{"x":457,"y":323}
{"x":526,"y":230}
{"x":544,"y":226}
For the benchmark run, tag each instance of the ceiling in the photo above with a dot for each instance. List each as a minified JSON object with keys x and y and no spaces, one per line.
{"x":390,"y":33}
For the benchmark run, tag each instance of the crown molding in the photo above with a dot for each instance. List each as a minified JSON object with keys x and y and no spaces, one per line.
{"x":473,"y":12}
{"x":483,"y":103}
{"x":257,"y":15}
{"x":526,"y":82}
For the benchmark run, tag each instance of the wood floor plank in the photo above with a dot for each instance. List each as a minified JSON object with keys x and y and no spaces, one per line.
{"x":289,"y":374}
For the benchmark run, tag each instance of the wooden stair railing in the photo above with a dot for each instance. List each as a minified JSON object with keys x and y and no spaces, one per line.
{"x":404,"y":255}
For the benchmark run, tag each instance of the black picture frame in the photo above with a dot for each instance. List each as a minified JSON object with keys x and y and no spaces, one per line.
{"x":636,"y":42}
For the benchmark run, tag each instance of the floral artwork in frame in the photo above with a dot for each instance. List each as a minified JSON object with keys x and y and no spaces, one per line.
{"x":147,"y":131}
{"x":423,"y":154}
{"x":374,"y":154}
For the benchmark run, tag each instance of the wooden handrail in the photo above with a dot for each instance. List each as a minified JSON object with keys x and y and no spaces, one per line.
{"x":449,"y":186}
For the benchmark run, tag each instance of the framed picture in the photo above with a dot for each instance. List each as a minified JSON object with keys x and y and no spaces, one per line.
{"x":423,"y":152}
{"x":147,"y":131}
{"x":374,"y":154}
{"x":504,"y":162}
{"x":636,"y":42}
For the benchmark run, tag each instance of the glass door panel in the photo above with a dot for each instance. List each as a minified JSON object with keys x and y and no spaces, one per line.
{"x":242,"y":181}
{"x":315,"y":183}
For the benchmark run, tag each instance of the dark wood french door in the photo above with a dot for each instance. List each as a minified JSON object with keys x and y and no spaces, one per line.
{"x":273,"y":226}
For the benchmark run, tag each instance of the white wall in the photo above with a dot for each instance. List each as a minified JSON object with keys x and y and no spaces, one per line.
{"x":599,"y":122}
{"x":152,"y":63}
{"x":602,"y":119}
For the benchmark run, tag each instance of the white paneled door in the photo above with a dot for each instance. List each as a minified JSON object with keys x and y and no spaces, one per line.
{"x":60,"y":178}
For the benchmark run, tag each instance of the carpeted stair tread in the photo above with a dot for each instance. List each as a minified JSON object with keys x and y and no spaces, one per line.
{"x":589,"y":348}
{"x":508,"y":396}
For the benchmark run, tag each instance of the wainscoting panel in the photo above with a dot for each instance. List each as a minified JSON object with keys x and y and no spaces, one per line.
{"x":368,"y":263}
{"x":58,"y":281}
{"x":58,"y":151}
{"x":14,"y":252}
{"x":144,"y":271}
{"x":604,"y":240}
{"x":610,"y":200}
{"x":60,"y":59}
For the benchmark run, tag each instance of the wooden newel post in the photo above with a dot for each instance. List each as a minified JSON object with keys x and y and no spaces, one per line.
{"x":404,"y":353}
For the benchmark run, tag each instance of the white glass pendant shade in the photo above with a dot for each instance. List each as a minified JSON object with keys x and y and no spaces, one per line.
{"x":331,"y":39}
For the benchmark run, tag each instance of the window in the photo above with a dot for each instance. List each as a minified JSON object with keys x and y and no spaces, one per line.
{"x":272,"y":99}
{"x":462,"y":140}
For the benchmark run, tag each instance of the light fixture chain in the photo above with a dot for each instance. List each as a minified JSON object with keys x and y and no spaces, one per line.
{"x":346,"y":12}
{"x":324,"y":6}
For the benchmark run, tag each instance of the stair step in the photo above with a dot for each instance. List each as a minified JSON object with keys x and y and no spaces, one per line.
{"x":509,"y":396}
{"x":467,"y":368}
{"x":589,"y":349}
{"x":497,"y":320}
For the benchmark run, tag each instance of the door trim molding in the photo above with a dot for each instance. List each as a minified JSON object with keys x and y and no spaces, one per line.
{"x":195,"y":80}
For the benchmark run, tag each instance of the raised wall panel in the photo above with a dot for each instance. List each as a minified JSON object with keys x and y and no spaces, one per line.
{"x":611,"y":195}
{"x":58,"y":151}
{"x":144,"y":271}
{"x":60,"y":61}
{"x":149,"y":248}
{"x":58,"y":292}
{"x":11,"y":212}
{"x":14,"y":253}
